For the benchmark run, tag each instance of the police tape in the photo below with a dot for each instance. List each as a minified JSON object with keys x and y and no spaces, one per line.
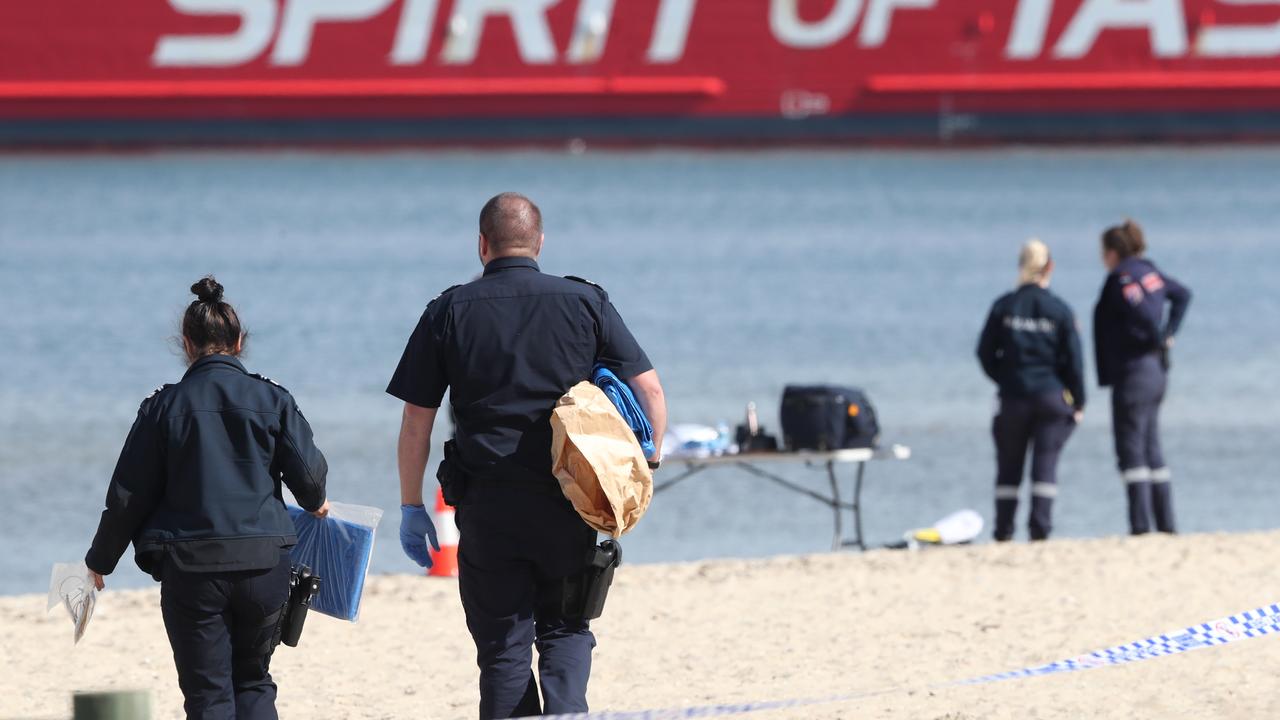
{"x":1223,"y":631}
{"x":1230,"y":629}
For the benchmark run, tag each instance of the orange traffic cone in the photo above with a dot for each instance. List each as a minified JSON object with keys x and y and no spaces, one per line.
{"x":444,"y":563}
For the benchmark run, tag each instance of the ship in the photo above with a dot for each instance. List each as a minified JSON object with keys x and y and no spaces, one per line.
{"x":143,"y":72}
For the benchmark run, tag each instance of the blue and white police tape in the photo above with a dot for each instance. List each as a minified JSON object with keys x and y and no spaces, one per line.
{"x":1233,"y":628}
{"x":1223,"y":631}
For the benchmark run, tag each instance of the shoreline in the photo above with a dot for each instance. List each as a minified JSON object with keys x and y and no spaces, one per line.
{"x":734,"y":631}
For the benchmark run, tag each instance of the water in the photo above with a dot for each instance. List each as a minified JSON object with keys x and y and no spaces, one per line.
{"x":738,"y":271}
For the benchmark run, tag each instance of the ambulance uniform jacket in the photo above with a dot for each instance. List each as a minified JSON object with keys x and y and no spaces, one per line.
{"x":1129,"y":322}
{"x":1030,"y":345}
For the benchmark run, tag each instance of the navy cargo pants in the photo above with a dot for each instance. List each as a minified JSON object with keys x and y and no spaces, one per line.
{"x":516,"y":547}
{"x":1135,"y":413}
{"x":221,"y":626}
{"x":1044,"y":423}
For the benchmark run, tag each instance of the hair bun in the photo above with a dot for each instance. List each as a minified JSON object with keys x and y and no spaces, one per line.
{"x":207,"y":290}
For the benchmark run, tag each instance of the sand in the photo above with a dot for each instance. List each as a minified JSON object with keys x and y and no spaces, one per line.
{"x":748,"y":630}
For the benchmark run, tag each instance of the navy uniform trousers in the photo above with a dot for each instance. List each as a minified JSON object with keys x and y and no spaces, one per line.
{"x":1135,"y":411}
{"x":516,"y":547}
{"x":1044,"y":423}
{"x":221,"y":626}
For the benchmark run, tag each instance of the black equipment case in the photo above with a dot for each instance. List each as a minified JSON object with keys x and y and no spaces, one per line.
{"x":828,"y":417}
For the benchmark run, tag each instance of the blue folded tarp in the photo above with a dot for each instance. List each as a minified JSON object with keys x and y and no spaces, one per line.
{"x":623,"y":399}
{"x":337,"y":549}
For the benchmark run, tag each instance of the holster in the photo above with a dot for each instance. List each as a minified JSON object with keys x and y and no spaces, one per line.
{"x":582,"y":596}
{"x":452,"y":477}
{"x":303,"y":588}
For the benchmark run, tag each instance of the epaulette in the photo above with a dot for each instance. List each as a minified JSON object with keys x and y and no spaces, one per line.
{"x":584,"y":281}
{"x":444,"y":292}
{"x":154,"y":393}
{"x":264,"y":378}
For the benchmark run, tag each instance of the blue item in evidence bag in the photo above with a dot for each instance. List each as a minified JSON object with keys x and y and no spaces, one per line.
{"x":622,"y":398}
{"x":337,"y":549}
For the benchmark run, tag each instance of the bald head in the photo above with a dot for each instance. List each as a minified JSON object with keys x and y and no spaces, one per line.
{"x":512,"y":225}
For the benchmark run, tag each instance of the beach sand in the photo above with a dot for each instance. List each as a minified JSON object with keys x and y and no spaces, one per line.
{"x":749,"y":630}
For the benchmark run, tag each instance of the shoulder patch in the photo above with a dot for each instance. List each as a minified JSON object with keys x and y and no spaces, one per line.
{"x":1152,"y":282}
{"x":264,"y":378}
{"x":444,"y":292}
{"x":1132,"y":293}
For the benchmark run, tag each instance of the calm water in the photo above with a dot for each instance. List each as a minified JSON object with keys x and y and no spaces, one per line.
{"x":739,"y":272}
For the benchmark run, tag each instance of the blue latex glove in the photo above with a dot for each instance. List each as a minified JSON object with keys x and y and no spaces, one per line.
{"x":416,"y":529}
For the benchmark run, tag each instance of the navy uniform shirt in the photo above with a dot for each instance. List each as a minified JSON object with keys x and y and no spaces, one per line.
{"x":1030,"y":345}
{"x":198,"y":480}
{"x":507,"y":346}
{"x":1129,"y":321}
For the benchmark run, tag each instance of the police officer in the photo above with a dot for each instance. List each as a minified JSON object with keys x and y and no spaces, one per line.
{"x":1132,"y":338}
{"x":507,"y":346}
{"x":1031,"y":349}
{"x":197,"y":491}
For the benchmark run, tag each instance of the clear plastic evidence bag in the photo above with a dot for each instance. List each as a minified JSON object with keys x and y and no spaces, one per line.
{"x":338,"y":550}
{"x":72,"y":587}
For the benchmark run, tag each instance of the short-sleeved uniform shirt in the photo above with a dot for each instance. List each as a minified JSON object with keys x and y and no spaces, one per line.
{"x":507,"y":346}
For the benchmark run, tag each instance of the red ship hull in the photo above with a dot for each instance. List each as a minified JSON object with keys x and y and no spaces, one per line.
{"x":200,"y":71}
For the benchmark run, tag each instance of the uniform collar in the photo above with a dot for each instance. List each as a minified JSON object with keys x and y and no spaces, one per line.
{"x":507,"y":263}
{"x":1130,"y":263}
{"x":211,"y":361}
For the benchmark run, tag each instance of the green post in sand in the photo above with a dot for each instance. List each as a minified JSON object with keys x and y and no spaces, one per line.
{"x":126,"y":705}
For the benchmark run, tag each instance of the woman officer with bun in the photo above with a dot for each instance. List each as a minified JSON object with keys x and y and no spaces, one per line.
{"x":197,"y":491}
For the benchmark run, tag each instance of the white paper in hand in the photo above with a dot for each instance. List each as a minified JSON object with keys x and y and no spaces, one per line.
{"x":72,"y":587}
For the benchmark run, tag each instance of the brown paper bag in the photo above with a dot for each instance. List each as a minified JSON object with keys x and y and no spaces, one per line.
{"x":599,"y":463}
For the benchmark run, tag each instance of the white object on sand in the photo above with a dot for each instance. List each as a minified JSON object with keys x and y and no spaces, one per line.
{"x":959,"y":527}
